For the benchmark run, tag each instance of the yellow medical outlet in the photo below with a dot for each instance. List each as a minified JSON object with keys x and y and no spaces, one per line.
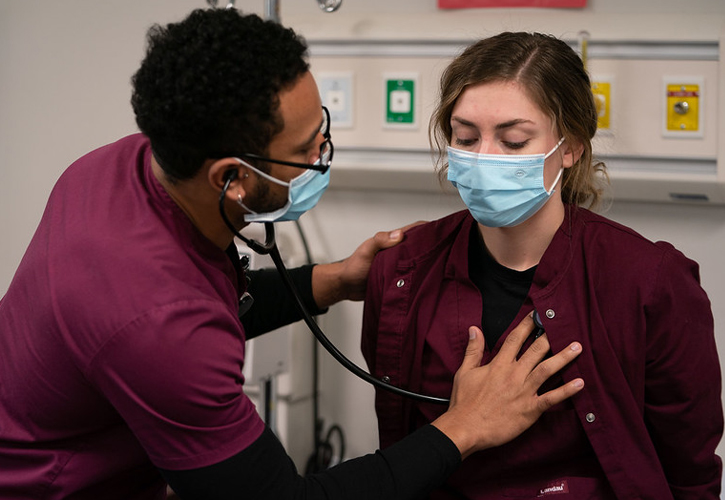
{"x":603,"y":100}
{"x":683,"y":107}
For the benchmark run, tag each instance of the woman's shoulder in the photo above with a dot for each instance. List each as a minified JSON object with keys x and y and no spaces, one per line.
{"x":429,"y":237}
{"x":617,"y":239}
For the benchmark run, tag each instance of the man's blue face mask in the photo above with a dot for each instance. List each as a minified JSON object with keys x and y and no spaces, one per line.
{"x":500,"y":190}
{"x":304,"y":191}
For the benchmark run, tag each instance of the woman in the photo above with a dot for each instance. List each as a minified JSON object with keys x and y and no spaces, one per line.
{"x":517,"y":116}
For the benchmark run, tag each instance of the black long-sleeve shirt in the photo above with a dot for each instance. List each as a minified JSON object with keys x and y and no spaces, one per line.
{"x":407,"y":470}
{"x":273,"y":306}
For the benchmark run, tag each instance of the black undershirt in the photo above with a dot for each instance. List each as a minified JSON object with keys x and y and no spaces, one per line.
{"x":408,"y":469}
{"x":503,"y":290}
{"x":273,"y":306}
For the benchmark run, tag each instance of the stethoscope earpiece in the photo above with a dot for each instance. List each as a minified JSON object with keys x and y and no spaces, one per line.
{"x":230,"y":175}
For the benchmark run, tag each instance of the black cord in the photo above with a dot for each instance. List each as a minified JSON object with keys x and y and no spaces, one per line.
{"x":329,"y":346}
{"x":322,"y":458}
{"x":270,"y":248}
{"x":322,"y":454}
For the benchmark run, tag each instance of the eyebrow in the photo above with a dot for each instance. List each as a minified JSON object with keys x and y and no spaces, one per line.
{"x":511,"y":123}
{"x":500,"y":126}
{"x":312,"y":137}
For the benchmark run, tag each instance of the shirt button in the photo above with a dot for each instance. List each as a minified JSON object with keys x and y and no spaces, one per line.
{"x":550,"y":313}
{"x":400,"y":282}
{"x":590,"y":417}
{"x":386,"y":379}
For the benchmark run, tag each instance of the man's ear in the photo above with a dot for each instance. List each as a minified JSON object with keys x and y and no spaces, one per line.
{"x":572,"y":152}
{"x":228,"y":170}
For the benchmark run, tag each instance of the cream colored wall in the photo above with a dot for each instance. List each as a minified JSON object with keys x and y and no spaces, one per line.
{"x":65,"y":69}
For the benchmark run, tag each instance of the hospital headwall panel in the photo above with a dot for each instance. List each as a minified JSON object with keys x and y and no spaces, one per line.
{"x":659,"y":80}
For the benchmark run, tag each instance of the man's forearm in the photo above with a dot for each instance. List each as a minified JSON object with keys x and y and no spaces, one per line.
{"x":327,"y":285}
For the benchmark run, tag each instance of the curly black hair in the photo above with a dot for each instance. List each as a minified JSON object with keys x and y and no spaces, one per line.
{"x":208,"y":87}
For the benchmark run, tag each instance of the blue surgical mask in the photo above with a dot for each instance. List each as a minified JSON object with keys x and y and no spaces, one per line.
{"x":500,"y":190}
{"x":303,"y":193}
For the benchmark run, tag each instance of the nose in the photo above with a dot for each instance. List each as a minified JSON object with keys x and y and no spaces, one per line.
{"x":313,"y":153}
{"x":488,"y":147}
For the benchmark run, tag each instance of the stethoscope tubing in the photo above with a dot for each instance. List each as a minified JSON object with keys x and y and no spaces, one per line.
{"x":269,"y":247}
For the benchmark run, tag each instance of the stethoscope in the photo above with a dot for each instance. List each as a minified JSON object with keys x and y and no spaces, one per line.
{"x":269,"y":247}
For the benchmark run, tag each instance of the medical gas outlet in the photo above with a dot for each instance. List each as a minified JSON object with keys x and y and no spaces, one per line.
{"x":336,"y":92}
{"x":683,"y":104}
{"x":401,"y":99}
{"x":602,"y":92}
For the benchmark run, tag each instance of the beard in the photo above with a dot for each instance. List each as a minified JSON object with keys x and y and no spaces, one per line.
{"x":265,"y":198}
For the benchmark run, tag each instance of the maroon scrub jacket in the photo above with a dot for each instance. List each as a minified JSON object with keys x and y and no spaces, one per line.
{"x":649,"y":419}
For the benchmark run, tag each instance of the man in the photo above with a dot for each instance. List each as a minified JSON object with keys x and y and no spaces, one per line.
{"x":123,"y":349}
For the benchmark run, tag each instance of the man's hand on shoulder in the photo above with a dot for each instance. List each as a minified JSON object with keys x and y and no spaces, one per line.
{"x":347,"y":279}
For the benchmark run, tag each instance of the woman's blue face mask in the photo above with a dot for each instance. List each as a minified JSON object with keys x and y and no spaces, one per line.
{"x":500,"y":190}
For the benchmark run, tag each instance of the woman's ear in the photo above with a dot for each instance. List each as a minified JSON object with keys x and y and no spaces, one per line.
{"x":572,"y":152}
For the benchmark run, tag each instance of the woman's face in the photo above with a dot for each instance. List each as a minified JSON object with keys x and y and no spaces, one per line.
{"x":499,"y":118}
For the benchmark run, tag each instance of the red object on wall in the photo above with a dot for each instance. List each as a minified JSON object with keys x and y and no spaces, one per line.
{"x":467,"y":4}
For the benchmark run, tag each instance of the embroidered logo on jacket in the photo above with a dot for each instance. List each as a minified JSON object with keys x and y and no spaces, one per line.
{"x":557,"y":488}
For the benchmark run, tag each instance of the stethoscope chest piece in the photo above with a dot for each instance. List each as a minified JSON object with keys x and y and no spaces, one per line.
{"x":539,"y":325}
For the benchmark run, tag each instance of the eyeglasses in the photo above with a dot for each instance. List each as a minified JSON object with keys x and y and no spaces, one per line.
{"x":326,"y":149}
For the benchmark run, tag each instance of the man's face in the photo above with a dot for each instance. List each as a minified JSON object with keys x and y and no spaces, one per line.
{"x":299,"y":141}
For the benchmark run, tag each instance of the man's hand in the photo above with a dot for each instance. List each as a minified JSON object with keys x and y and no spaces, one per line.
{"x":494,"y":403}
{"x":347,"y":279}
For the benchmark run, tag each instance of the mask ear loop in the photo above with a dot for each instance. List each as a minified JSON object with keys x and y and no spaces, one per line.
{"x":554,"y":148}
{"x":561,"y":170}
{"x":261,"y":248}
{"x":259,"y":172}
{"x":558,"y":176}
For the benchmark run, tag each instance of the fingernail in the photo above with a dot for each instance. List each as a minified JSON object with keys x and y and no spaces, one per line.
{"x":471,"y":334}
{"x":576,"y":346}
{"x":578,"y":383}
{"x":394,"y":235}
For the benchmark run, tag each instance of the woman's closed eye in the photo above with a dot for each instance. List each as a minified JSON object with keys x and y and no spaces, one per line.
{"x":515,"y":145}
{"x":463,"y":142}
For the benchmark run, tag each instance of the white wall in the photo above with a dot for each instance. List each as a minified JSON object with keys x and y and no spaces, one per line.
{"x":65,"y":69}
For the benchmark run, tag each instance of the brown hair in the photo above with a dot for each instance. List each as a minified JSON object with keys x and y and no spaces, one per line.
{"x":554,"y":78}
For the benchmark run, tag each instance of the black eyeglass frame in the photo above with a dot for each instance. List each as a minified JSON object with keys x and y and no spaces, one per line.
{"x":321,"y":168}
